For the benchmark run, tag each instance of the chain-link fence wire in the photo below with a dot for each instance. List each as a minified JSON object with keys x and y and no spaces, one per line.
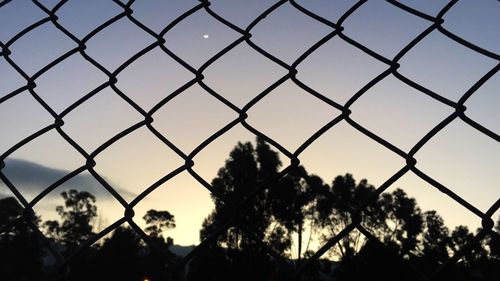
{"x":245,"y":37}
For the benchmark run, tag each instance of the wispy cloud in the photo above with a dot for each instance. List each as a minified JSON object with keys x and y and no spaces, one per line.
{"x":31,"y":178}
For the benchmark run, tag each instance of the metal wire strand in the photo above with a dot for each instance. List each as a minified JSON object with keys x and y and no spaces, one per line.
{"x":245,"y":38}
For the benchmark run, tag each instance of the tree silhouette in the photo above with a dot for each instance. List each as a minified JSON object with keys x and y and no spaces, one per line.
{"x":158,"y":222}
{"x":404,"y":222}
{"x":259,"y":234}
{"x":460,"y":238}
{"x":435,"y":237}
{"x":491,"y":266}
{"x":270,"y":218}
{"x":119,"y":257}
{"x":20,"y":249}
{"x":275,"y":214}
{"x":407,"y":237}
{"x":494,"y":242}
{"x":210,"y":264}
{"x":75,"y":228}
{"x":293,"y":204}
{"x":335,"y":208}
{"x":240,"y":176}
{"x":158,"y":265}
{"x":77,"y":214}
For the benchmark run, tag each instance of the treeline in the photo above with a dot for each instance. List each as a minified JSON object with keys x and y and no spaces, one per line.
{"x":122,"y":255}
{"x":278,"y":218}
{"x":407,"y":243}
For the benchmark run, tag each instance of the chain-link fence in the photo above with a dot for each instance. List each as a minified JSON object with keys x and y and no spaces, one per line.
{"x":245,"y":37}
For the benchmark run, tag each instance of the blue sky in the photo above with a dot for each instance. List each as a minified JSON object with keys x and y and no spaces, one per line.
{"x":460,"y":157}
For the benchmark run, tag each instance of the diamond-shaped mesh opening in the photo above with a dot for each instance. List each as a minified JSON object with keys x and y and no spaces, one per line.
{"x":437,"y":59}
{"x":70,"y":229}
{"x":95,"y":116}
{"x":32,"y":52}
{"x":387,"y":32}
{"x":117,"y":34}
{"x":287,"y":33}
{"x":37,"y":151}
{"x":199,"y":29}
{"x":213,"y":156}
{"x":24,"y":126}
{"x":108,"y":209}
{"x":344,"y":70}
{"x":451,"y":170}
{"x":33,"y":168}
{"x":185,"y":111}
{"x":349,"y":151}
{"x":377,"y":109}
{"x":68,"y":81}
{"x":429,"y":198}
{"x":250,"y":75}
{"x":171,"y":196}
{"x":147,"y":158}
{"x":283,"y":119}
{"x":152,"y":78}
{"x":97,"y":185}
{"x":18,"y":15}
{"x":485,"y":37}
{"x":41,"y":177}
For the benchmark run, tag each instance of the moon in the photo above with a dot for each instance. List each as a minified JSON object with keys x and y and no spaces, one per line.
{"x":205,"y":36}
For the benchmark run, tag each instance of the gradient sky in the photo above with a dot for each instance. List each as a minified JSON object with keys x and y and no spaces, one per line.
{"x":460,"y":157}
